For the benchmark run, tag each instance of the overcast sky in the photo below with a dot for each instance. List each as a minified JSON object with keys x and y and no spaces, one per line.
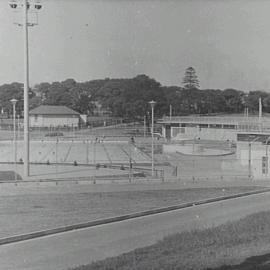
{"x":226,"y":41}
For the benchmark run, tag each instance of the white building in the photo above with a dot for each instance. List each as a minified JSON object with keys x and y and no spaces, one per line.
{"x":53,"y":116}
{"x":253,"y":152}
{"x":251,"y":135}
{"x":222,"y":128}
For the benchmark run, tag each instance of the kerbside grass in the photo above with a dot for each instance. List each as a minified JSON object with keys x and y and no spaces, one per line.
{"x":226,"y":244}
{"x":25,"y":212}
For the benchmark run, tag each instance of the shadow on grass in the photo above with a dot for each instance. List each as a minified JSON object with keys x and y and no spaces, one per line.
{"x":261,"y":262}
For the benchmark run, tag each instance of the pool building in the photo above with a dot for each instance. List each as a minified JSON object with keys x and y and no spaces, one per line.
{"x":251,"y":134}
{"x":212,"y":127}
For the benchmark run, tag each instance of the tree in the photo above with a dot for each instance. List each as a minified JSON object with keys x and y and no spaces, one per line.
{"x":9,"y":91}
{"x":41,"y":90}
{"x":212,"y":101}
{"x":252,"y":101}
{"x":233,"y":100}
{"x":190,"y":80}
{"x":35,"y":102}
{"x":58,"y":94}
{"x":130,"y":97}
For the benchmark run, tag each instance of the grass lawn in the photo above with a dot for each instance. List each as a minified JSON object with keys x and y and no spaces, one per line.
{"x":27,"y":212}
{"x":213,"y":248}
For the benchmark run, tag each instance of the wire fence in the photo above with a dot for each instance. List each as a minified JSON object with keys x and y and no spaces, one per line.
{"x":111,"y":146}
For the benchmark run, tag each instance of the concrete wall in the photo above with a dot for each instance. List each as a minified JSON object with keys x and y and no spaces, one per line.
{"x":256,"y":153}
{"x":208,"y":134}
{"x":50,"y":120}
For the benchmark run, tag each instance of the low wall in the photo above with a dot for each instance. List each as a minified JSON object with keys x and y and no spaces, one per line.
{"x":208,"y":134}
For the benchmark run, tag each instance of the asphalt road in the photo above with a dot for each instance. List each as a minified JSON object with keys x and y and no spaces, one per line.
{"x":61,"y":251}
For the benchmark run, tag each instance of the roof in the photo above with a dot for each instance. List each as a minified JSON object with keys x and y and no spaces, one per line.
{"x":53,"y":110}
{"x":224,"y":119}
{"x":240,"y":122}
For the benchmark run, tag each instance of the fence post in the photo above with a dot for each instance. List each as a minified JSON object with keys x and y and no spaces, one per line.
{"x":162,"y":175}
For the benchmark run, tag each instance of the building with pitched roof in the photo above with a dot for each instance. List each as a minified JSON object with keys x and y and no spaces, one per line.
{"x":53,"y":116}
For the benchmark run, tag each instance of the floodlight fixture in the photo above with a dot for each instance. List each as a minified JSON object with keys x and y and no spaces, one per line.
{"x":13,"y":4}
{"x":38,"y":5}
{"x":29,"y":4}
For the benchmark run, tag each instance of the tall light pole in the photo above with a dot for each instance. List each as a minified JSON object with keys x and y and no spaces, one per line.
{"x":26,"y":5}
{"x":56,"y":156}
{"x":14,"y":101}
{"x":152,"y":103}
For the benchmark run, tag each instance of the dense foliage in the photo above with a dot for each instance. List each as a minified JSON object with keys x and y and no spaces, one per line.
{"x":190,"y":79}
{"x":129,"y":97}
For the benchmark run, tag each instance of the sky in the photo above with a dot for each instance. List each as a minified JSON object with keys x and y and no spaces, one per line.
{"x":226,"y":41}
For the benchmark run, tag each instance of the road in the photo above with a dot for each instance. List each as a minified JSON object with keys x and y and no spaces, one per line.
{"x":61,"y":251}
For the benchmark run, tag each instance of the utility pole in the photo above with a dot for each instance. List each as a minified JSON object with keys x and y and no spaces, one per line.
{"x":152,"y":103}
{"x":25,"y":5}
{"x":14,"y":101}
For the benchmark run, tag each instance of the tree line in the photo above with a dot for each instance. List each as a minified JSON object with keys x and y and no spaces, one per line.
{"x":129,"y":97}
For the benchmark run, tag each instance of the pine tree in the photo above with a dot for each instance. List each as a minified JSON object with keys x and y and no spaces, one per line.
{"x":190,"y":80}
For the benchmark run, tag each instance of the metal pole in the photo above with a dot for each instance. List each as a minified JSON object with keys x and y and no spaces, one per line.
{"x":56,"y":156}
{"x":94,"y":154}
{"x":152,"y":140}
{"x":170,"y":112}
{"x":249,"y":160}
{"x":18,"y":127}
{"x":26,"y":86}
{"x":144,"y":125}
{"x":14,"y":141}
{"x":129,"y":161}
{"x":87,"y":151}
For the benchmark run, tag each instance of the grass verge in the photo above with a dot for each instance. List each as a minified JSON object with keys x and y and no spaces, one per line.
{"x":215,"y":247}
{"x":24,"y":213}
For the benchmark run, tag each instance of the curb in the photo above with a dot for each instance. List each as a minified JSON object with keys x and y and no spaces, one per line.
{"x":28,"y":236}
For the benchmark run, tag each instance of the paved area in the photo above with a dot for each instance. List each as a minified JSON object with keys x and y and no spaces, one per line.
{"x":82,"y":151}
{"x":39,"y":172}
{"x":83,"y":246}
